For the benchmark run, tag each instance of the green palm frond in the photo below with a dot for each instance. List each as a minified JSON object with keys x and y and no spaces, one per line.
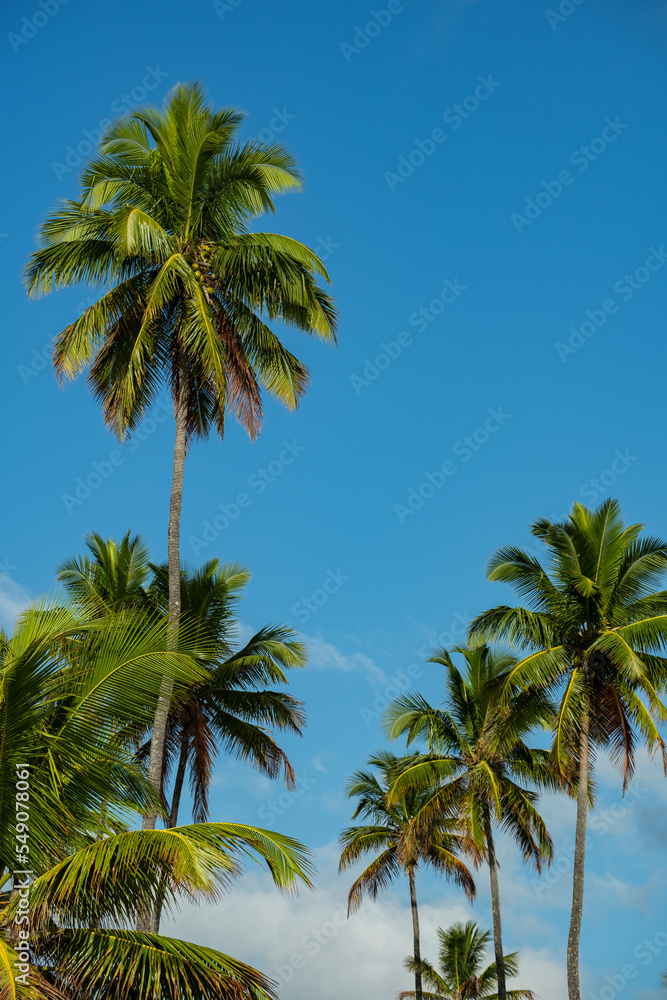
{"x":111,"y":880}
{"x":114,"y":964}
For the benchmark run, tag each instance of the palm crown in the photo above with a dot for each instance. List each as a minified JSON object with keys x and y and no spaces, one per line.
{"x":232,"y":706}
{"x":111,"y":577}
{"x":462,"y":975}
{"x":388,"y":831}
{"x":388,"y":837}
{"x":235,"y":707}
{"x":593,"y":627}
{"x":163,"y":220}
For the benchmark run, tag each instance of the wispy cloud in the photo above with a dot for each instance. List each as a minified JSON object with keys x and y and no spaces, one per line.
{"x":310,"y":947}
{"x":13,"y":599}
{"x":323,"y":655}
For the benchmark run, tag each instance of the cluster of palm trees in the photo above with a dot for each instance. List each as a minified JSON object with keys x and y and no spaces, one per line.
{"x":80,"y":678}
{"x":581,"y":658}
{"x":115,"y":694}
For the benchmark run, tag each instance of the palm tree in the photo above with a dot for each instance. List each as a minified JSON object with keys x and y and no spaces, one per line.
{"x":232,"y":707}
{"x":478,"y":766}
{"x":592,"y":630}
{"x":385,"y":836}
{"x":162,"y":225}
{"x":228,"y":708}
{"x":461,"y":976}
{"x":64,"y":682}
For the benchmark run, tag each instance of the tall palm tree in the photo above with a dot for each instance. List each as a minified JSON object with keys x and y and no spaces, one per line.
{"x":64,"y":682}
{"x":385,"y":836}
{"x":162,"y":224}
{"x":478,"y":766}
{"x":232,"y":708}
{"x":592,"y":629}
{"x":461,"y":975}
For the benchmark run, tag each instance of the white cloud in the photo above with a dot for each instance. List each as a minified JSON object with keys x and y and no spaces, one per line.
{"x":309,"y":946}
{"x":323,"y":655}
{"x":13,"y":599}
{"x":320,"y":760}
{"x":615,"y":891}
{"x":541,"y":972}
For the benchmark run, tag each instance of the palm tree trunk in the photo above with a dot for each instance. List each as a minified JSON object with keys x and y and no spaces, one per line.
{"x":171,"y":823}
{"x":150,"y":922}
{"x":178,"y":784}
{"x":495,"y":905}
{"x":579,"y":858}
{"x":415,"y":933}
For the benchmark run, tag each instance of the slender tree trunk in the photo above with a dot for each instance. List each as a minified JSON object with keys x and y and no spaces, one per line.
{"x":579,"y":858}
{"x":150,"y":921}
{"x":178,"y":784}
{"x":415,"y":934}
{"x":171,"y":823}
{"x":495,"y":905}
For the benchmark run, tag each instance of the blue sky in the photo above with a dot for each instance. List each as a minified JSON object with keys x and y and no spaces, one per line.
{"x":485,"y":180}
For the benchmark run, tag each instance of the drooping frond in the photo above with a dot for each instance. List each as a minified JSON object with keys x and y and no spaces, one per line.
{"x":114,"y":964}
